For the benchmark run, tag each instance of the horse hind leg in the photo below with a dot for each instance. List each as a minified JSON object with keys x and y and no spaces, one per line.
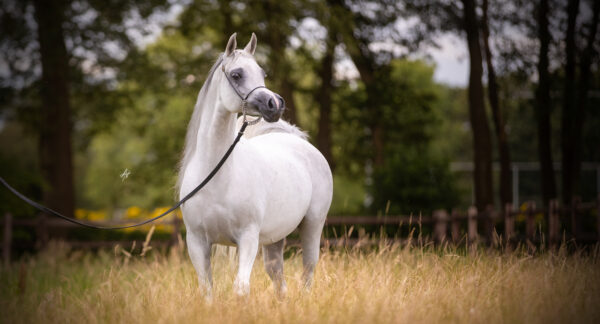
{"x":199,"y":251}
{"x":273,"y":259}
{"x":310,"y":237}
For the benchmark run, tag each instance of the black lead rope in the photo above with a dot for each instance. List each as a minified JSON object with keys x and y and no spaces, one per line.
{"x":177,"y":205}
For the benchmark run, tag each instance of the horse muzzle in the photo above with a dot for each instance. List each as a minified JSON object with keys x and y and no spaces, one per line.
{"x":269,"y":104}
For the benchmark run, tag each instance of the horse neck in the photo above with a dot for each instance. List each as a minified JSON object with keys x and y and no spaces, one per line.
{"x":216,"y":132}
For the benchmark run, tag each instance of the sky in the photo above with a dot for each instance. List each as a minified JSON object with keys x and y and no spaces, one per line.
{"x":452,"y":61}
{"x":451,"y":58}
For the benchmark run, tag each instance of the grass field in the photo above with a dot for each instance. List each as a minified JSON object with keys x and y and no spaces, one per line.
{"x":388,"y":284}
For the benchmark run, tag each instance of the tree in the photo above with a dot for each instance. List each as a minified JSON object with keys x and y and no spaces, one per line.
{"x":366,"y":23}
{"x":419,"y":175}
{"x":440,"y":16}
{"x":66,"y":41}
{"x":373,"y":75}
{"x":567,"y":119}
{"x":543,"y":106}
{"x":585,"y":71}
{"x":323,"y":97}
{"x":276,"y":36}
{"x":55,"y":132}
{"x":479,"y":125}
{"x":499,"y":125}
{"x":324,"y":93}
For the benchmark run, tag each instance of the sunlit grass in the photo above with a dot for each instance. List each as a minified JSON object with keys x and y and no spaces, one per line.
{"x":385,"y":284}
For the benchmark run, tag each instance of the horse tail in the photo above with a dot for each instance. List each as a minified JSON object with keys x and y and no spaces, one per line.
{"x":263,"y":127}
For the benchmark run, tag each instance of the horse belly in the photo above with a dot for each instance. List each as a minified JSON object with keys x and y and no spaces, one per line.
{"x":288,"y":204}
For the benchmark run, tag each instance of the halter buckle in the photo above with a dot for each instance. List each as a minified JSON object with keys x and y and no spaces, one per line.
{"x":252,"y":122}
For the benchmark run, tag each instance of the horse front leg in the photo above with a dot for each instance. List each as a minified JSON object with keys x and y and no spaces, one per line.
{"x":247,"y":249}
{"x":199,"y":251}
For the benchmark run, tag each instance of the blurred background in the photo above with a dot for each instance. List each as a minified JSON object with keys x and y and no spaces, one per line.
{"x":417,"y":105}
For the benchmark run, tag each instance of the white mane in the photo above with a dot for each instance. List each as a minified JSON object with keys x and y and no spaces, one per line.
{"x":192,"y":130}
{"x":263,"y":127}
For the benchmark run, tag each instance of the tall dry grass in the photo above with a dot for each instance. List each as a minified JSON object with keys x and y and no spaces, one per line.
{"x":388,"y":284}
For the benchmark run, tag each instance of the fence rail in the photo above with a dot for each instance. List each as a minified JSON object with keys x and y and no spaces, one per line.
{"x":560,"y":222}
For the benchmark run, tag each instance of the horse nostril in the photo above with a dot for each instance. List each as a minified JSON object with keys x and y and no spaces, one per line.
{"x":281,"y":102}
{"x":271,"y":103}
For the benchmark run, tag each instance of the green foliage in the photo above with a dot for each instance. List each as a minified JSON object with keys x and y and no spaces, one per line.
{"x":412,"y":179}
{"x":134,"y":118}
{"x":18,"y":145}
{"x":413,"y":183}
{"x":348,"y":196}
{"x":409,"y":114}
{"x":415,"y":175}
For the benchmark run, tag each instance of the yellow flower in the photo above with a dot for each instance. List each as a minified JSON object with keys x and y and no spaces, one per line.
{"x":539,"y":217}
{"x":524,"y":206}
{"x":80,"y":213}
{"x":133,"y":212}
{"x":158,"y":211}
{"x":96,"y":215}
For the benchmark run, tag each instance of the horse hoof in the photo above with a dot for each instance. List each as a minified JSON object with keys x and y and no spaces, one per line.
{"x":281,"y":292}
{"x":241,"y":289}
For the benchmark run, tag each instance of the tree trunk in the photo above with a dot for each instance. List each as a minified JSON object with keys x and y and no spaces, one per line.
{"x":378,"y":142}
{"x":277,"y":42}
{"x":55,"y":126}
{"x":228,"y":27}
{"x":324,"y":99}
{"x":543,"y":107}
{"x":569,"y":103}
{"x":584,"y":85}
{"x":287,"y":91}
{"x":479,"y":123}
{"x":503,"y":149}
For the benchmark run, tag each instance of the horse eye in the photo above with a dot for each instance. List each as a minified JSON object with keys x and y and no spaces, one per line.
{"x":236,"y":75}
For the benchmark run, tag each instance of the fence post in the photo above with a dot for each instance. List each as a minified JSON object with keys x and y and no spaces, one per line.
{"x":553,"y":221}
{"x":42,"y":231}
{"x":472,"y":224}
{"x":6,"y":246}
{"x":509,"y":222}
{"x":574,"y":218}
{"x":176,"y":228}
{"x":490,"y":216}
{"x":530,"y":221}
{"x":440,"y":218}
{"x":598,"y":216}
{"x":455,"y":226}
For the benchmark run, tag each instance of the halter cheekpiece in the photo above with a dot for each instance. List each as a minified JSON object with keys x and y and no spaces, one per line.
{"x":244,"y":98}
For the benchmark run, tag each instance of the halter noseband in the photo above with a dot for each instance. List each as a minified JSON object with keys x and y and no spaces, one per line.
{"x":244,"y":98}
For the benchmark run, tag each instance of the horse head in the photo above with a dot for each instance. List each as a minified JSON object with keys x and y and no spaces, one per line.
{"x":245,"y":81}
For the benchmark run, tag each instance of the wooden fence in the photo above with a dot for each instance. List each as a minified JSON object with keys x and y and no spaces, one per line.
{"x":456,"y":226}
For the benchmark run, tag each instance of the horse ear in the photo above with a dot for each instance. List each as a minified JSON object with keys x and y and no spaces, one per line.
{"x":231,"y":45}
{"x":251,"y":47}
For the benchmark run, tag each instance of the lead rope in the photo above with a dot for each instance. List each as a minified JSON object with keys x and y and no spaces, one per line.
{"x":245,"y":124}
{"x":177,"y":205}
